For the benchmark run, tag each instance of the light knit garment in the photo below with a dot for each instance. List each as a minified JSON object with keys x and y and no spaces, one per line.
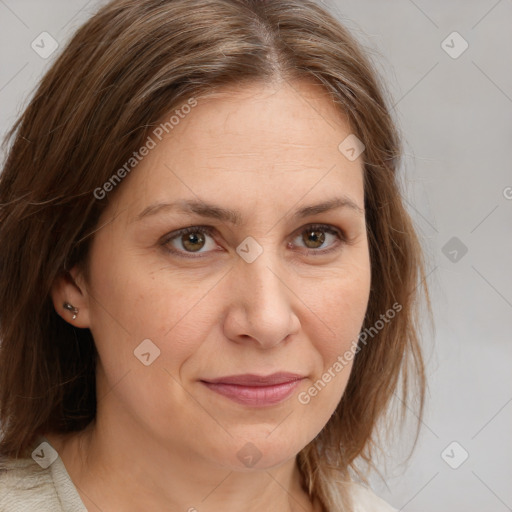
{"x":25,"y":486}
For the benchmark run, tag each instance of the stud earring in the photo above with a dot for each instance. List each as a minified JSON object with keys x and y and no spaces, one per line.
{"x":71,"y":308}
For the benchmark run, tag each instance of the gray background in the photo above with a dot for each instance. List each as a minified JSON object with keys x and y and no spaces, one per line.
{"x":456,"y":117}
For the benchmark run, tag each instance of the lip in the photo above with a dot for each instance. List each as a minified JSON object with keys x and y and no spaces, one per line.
{"x":256,"y":390}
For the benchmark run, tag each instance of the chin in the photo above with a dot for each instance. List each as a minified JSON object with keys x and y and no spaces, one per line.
{"x":261,"y":451}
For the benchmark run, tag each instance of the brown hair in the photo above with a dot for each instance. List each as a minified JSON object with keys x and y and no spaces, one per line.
{"x":127,"y":67}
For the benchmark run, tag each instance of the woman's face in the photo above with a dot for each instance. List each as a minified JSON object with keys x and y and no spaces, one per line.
{"x":273,"y":276}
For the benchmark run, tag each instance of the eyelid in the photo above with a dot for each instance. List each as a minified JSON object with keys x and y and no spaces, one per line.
{"x":209,"y":230}
{"x":329,"y":228}
{"x":325,"y":227}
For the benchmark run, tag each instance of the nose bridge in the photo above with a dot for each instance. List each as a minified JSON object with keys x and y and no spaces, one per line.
{"x":263,"y":279}
{"x":263,"y":301}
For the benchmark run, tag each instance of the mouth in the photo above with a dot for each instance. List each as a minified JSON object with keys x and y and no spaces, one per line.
{"x":256,"y":390}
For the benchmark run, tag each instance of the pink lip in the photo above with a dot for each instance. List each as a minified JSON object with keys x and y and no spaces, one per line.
{"x":256,"y":390}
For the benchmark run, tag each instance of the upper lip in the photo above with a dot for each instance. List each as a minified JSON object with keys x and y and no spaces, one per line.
{"x":250,"y":379}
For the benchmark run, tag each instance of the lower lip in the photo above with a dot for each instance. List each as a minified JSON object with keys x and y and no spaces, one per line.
{"x":255,"y":396}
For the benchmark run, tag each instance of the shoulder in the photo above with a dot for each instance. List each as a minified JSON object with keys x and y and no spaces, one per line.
{"x":26,"y":486}
{"x":365,"y":500}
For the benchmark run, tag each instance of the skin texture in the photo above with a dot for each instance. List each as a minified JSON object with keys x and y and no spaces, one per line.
{"x":162,"y":440}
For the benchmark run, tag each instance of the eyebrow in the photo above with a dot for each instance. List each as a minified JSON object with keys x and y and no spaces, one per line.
{"x":234,"y":217}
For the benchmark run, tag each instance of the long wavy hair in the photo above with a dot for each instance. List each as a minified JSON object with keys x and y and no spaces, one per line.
{"x":125,"y":69}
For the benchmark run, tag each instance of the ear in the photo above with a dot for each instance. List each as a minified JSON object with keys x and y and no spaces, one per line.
{"x":70,"y":287}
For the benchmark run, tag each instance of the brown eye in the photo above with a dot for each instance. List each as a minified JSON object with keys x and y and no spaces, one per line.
{"x":319,"y":239}
{"x":187,"y":241}
{"x":313,"y":239}
{"x":193,"y":241}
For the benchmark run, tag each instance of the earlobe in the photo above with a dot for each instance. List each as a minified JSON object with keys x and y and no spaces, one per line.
{"x":71,"y":308}
{"x":70,"y":299}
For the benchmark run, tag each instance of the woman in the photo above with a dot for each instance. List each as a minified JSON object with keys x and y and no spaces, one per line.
{"x":208,"y":279}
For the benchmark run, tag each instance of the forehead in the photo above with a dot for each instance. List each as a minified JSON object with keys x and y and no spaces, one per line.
{"x":252,"y":141}
{"x":256,"y":119}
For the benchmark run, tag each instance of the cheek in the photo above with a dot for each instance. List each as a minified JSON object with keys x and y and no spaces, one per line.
{"x":136,"y":304}
{"x":132,"y":306}
{"x":341,"y":307}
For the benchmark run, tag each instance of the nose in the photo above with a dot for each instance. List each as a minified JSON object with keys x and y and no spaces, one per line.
{"x":261,"y":307}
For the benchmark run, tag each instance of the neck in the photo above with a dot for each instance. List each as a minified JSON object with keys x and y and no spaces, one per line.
{"x":123,"y":469}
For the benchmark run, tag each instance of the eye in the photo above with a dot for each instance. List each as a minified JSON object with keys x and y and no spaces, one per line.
{"x":190,"y":240}
{"x":193,"y":241}
{"x":319,"y":238}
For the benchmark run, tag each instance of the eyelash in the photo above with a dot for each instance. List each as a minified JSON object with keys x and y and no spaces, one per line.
{"x":207,"y":230}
